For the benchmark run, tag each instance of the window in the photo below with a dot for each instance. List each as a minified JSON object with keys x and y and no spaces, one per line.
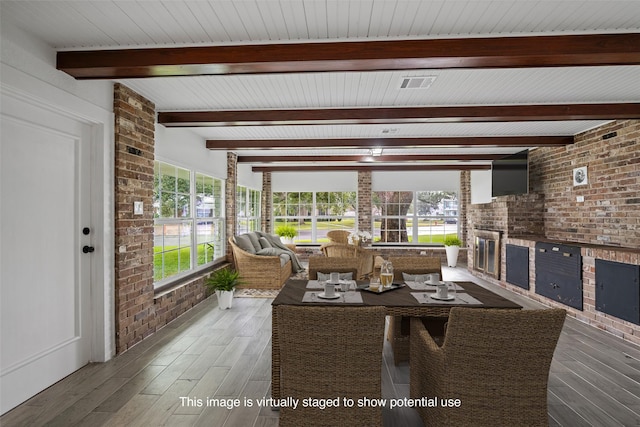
{"x":189,"y":225}
{"x":418,"y":217}
{"x":313,"y":214}
{"x":248,"y":204}
{"x":209,"y":219}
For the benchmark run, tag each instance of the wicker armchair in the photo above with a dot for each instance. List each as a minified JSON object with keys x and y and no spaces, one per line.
{"x":341,"y":250}
{"x":259,"y":271}
{"x":322,"y":361}
{"x":398,"y":332}
{"x":339,"y":236}
{"x":323,"y":264}
{"x":495,"y":361}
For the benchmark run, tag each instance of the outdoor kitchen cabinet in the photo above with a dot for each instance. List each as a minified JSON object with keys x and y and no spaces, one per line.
{"x":559,"y":273}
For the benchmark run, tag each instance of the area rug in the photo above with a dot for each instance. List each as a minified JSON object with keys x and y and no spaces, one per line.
{"x":268,"y":293}
{"x":256,"y":293}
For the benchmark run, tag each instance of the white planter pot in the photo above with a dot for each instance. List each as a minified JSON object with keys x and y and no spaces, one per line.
{"x":452,"y":255}
{"x":286,"y":240}
{"x":225,"y":299}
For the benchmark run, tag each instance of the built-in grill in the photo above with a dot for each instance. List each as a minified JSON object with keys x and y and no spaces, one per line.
{"x":559,"y":273}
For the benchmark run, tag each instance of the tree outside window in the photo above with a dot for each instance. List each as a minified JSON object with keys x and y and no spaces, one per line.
{"x":423,"y":217}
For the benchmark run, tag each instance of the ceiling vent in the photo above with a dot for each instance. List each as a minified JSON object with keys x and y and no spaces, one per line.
{"x":416,"y":82}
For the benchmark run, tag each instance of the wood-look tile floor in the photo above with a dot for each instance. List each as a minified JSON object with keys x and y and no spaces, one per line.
{"x":226,"y":354}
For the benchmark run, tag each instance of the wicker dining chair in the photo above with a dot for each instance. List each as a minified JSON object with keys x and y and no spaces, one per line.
{"x":339,"y":236}
{"x":496,"y":362}
{"x":365,"y":257}
{"x":323,"y":264}
{"x":329,"y":353}
{"x":398,"y":331}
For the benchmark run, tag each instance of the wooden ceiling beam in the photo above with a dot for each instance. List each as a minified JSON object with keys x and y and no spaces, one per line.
{"x":455,"y":114}
{"x":481,"y":52}
{"x":339,"y":168}
{"x":369,"y":159}
{"x":498,"y":141}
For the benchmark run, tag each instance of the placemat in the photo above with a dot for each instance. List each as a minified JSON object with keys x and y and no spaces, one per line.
{"x":461,"y":299}
{"x":345,"y":297}
{"x":315,"y":284}
{"x":421,"y":286}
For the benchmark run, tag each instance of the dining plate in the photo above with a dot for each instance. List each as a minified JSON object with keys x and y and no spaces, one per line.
{"x":447,"y":298}
{"x":322,"y":295}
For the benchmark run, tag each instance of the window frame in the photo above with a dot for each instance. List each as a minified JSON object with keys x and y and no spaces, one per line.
{"x":413,"y":216}
{"x":252,"y":203}
{"x":193,"y":219}
{"x":304,"y":210}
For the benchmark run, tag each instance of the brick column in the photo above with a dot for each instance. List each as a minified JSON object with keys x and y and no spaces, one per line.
{"x":134,"y":156}
{"x":464,"y":200}
{"x":266,"y":208}
{"x":230,"y":198}
{"x":364,"y":202}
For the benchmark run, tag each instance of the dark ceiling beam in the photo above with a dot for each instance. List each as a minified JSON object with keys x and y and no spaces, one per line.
{"x":338,"y":168}
{"x":493,"y":113}
{"x":500,"y":141}
{"x":369,"y":159}
{"x":494,"y":52}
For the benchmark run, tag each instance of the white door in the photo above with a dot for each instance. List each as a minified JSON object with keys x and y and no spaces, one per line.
{"x":44,"y":274}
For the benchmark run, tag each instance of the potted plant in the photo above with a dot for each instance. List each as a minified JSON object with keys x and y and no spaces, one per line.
{"x":223,"y":281}
{"x":286,"y":233}
{"x":452,"y":247}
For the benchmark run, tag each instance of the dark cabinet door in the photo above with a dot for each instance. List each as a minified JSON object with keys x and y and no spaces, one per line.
{"x":618,"y":290}
{"x":559,"y":273}
{"x":517,"y":265}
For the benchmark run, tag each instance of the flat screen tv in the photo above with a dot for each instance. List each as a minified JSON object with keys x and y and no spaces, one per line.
{"x":510,"y":174}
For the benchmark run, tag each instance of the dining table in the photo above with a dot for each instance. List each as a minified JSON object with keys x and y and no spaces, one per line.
{"x":405,"y":299}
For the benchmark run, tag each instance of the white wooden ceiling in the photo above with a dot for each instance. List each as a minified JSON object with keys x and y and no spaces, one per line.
{"x":80,"y":25}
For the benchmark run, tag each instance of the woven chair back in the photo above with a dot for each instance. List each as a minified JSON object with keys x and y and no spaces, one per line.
{"x":415,"y":265}
{"x":323,"y":264}
{"x":339,"y":236}
{"x":328,"y":353}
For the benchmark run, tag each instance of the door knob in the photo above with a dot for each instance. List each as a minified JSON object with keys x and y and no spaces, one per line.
{"x":88,"y":249}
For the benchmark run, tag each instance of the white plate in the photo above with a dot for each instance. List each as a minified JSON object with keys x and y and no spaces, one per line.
{"x":322,"y":295}
{"x":448,"y":298}
{"x":434,"y":284}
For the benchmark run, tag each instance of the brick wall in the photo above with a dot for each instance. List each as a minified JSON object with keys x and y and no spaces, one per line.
{"x":606,"y":225}
{"x":610,"y":213}
{"x":464,"y":201}
{"x":364,"y":201}
{"x":230,"y":199}
{"x":139,"y":311}
{"x":134,"y":155}
{"x":175,"y":301}
{"x":267,"y":203}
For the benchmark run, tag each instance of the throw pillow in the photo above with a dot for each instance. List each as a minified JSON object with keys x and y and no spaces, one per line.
{"x":245,"y":244}
{"x":265,"y":243}
{"x":254,"y":241}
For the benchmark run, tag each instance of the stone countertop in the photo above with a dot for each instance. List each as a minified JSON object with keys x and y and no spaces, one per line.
{"x":544,"y":239}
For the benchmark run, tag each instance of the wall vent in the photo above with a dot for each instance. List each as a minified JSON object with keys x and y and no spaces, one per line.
{"x":417,"y":82}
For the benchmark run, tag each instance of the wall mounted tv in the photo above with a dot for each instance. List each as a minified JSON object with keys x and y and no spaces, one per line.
{"x":510,"y":174}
